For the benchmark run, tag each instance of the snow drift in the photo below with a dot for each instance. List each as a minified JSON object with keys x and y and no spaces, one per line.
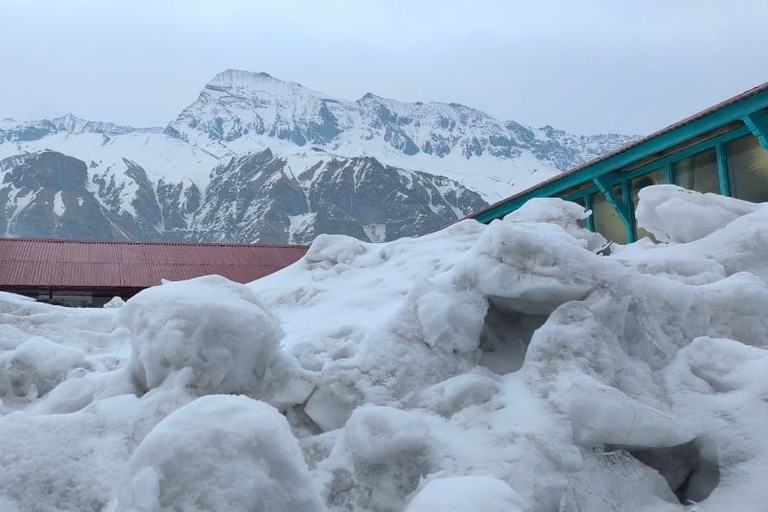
{"x":501,"y":367}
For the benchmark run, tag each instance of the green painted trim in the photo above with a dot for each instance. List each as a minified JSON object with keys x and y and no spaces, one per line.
{"x":757,"y":122}
{"x":588,"y":206}
{"x":629,"y":222}
{"x":722,"y":170}
{"x":605,"y":184}
{"x":680,"y":155}
{"x":576,"y":179}
{"x":736,"y":111}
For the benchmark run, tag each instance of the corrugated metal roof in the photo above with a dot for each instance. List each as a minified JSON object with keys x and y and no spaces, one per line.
{"x":74,"y":264}
{"x":623,"y":149}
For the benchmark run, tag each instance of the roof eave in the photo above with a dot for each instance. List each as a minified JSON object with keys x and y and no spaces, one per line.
{"x":732,"y":110}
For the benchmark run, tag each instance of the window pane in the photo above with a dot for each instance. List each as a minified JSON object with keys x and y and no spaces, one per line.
{"x":748,"y":169}
{"x":607,"y":221}
{"x":698,"y":172}
{"x":639,"y":183}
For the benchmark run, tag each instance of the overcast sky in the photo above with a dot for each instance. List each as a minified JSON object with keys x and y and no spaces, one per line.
{"x":587,"y":66}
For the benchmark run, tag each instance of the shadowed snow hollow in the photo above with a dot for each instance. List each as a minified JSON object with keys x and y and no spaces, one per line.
{"x":503,"y":367}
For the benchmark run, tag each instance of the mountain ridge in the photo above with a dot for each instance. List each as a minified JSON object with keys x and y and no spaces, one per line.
{"x":255,"y":158}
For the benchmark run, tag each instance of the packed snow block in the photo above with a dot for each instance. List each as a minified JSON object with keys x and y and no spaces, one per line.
{"x":79,"y":391}
{"x":604,"y":415}
{"x":533,"y":268}
{"x":218,"y":329}
{"x":466,"y":494}
{"x":455,"y":394}
{"x":617,"y":481}
{"x":114,"y":303}
{"x":35,"y":367}
{"x":329,"y":250}
{"x":326,"y":409}
{"x":569,"y":216}
{"x":219,"y":453}
{"x":447,"y":317}
{"x":377,"y":434}
{"x":379,"y":460}
{"x":675,"y":214}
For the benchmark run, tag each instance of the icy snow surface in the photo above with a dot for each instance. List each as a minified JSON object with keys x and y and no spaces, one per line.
{"x":509,"y":367}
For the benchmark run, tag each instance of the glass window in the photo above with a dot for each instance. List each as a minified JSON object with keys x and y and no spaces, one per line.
{"x":606,"y":220}
{"x":698,"y":172}
{"x":639,"y":183}
{"x":748,"y":169}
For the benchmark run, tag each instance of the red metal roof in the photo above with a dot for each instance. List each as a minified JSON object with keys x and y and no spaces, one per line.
{"x":32,"y":263}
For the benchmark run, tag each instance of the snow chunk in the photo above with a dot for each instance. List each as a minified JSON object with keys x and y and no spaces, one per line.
{"x":218,"y":329}
{"x":675,"y":214}
{"x":378,"y":434}
{"x":466,"y":494}
{"x":452,"y":395}
{"x":219,"y":453}
{"x":569,"y":216}
{"x":58,"y":205}
{"x":115,"y":302}
{"x":35,"y":367}
{"x":326,"y":410}
{"x":329,"y":250}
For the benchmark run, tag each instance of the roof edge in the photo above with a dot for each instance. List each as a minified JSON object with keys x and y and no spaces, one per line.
{"x":135,"y":242}
{"x":697,"y":117}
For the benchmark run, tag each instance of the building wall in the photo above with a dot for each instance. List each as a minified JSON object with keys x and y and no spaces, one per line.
{"x":74,"y":298}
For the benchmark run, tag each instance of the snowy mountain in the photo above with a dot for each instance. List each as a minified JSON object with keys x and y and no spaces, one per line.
{"x":257,"y":159}
{"x":239,"y":111}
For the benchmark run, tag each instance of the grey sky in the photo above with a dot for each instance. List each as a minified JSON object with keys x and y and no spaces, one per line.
{"x":586,"y":66}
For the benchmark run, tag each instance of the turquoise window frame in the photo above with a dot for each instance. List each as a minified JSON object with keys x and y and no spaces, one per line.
{"x":668,"y":162}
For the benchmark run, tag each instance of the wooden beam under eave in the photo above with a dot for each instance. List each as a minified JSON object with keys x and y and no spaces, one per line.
{"x":757,"y":122}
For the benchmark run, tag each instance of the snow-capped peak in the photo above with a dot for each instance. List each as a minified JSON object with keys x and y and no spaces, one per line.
{"x":239,"y":111}
{"x":258,"y":83}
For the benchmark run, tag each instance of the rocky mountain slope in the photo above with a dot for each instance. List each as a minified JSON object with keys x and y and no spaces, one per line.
{"x":257,"y":159}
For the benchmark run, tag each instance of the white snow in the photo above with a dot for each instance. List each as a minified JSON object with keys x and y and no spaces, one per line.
{"x":242,"y":448}
{"x":377,"y":232}
{"x":298,"y":224}
{"x":507,"y":367}
{"x":58,"y":205}
{"x":466,"y":494}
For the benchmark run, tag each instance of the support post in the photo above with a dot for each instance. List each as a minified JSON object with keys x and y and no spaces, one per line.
{"x":670,"y":174}
{"x":722,"y":170}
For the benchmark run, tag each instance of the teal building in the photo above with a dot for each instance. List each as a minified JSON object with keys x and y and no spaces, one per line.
{"x":723,"y":150}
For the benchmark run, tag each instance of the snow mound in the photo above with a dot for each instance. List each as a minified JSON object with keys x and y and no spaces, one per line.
{"x":219,"y":453}
{"x":502,"y":367}
{"x":219,"y":330}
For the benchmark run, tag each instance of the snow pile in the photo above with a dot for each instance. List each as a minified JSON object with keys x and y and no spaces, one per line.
{"x":242,"y":449}
{"x":226,"y":343}
{"x":502,"y":367}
